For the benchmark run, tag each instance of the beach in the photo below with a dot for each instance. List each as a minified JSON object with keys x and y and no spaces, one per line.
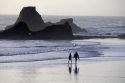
{"x":46,"y":61}
{"x":84,"y":72}
{"x":41,"y":41}
{"x":101,"y":61}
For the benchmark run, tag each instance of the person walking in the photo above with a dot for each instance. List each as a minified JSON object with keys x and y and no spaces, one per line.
{"x":76,"y":56}
{"x":70,"y":58}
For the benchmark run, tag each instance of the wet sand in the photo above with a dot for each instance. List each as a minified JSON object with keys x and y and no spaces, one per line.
{"x":97,"y":72}
{"x":52,"y":67}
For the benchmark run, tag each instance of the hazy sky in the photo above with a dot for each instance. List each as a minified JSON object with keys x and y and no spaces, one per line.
{"x":67,"y":7}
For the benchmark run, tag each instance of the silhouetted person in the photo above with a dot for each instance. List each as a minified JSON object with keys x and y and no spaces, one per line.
{"x":70,"y":58}
{"x":76,"y":56}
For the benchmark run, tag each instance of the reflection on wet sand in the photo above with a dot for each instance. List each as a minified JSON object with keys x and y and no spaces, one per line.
{"x":103,"y":72}
{"x":76,"y":69}
{"x":75,"y":72}
{"x":26,"y":73}
{"x":70,"y":68}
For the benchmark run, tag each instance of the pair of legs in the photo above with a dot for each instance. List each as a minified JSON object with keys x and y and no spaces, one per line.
{"x":75,"y":61}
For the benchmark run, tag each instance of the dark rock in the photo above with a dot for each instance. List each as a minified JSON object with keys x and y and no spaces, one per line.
{"x":32,"y":18}
{"x":21,"y":31}
{"x":62,"y":31}
{"x":30,"y":25}
{"x":75,"y":28}
{"x":122,"y":36}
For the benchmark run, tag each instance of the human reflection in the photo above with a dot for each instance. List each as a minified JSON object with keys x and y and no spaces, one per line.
{"x":76,"y":70}
{"x":70,"y":67}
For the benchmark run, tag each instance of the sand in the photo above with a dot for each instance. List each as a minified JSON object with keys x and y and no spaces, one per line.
{"x":95,"y":72}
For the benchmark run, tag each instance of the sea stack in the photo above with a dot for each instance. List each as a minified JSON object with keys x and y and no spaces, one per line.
{"x":30,"y":25}
{"x":75,"y":28}
{"x":32,"y":18}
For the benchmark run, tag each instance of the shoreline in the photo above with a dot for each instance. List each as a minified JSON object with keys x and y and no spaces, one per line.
{"x":78,"y":37}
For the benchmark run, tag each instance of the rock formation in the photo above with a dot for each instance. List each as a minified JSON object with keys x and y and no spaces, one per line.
{"x":61,"y":31}
{"x":30,"y":25}
{"x":21,"y":31}
{"x":31,"y":17}
{"x":74,"y":27}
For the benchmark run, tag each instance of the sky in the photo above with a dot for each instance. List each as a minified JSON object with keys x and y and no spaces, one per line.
{"x":66,"y":7}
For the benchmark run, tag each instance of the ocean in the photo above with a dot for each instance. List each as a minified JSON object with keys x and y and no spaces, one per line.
{"x":95,"y":25}
{"x":37,"y":50}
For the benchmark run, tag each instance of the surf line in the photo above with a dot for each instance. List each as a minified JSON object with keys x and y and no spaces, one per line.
{"x":31,"y":60}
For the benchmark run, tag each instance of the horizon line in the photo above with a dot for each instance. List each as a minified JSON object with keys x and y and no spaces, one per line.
{"x":69,"y":15}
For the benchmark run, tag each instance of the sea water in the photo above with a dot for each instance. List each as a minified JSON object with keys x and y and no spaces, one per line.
{"x":95,"y":25}
{"x":57,"y":51}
